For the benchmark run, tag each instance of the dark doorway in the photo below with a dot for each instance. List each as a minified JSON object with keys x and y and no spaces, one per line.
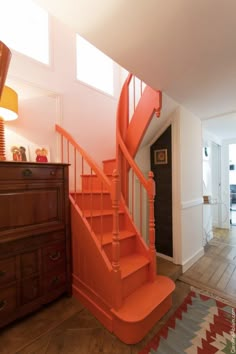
{"x":161,"y":166}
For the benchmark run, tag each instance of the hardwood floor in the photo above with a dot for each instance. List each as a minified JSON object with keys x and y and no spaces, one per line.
{"x":216,"y":270}
{"x":66,"y":327}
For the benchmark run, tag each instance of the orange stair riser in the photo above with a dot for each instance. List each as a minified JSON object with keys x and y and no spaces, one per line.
{"x":94,"y":201}
{"x":109,"y":166}
{"x":127,"y":246}
{"x":92,"y":183}
{"x":104,"y":223}
{"x":134,"y":280}
{"x":134,"y":332}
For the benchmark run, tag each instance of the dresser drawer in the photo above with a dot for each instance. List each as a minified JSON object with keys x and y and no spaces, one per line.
{"x":54,"y":256}
{"x":7,"y":302}
{"x":29,"y":263}
{"x":53,"y":281}
{"x":30,"y":290}
{"x":31,"y":172}
{"x":7,"y":271}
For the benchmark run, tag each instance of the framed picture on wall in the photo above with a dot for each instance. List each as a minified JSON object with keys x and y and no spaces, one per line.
{"x":160,"y":157}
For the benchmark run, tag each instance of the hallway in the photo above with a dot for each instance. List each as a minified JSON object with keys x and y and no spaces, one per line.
{"x":216,"y":270}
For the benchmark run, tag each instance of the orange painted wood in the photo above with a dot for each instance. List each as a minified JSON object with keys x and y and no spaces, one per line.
{"x":114,"y":272}
{"x":90,"y":264}
{"x":85,"y":156}
{"x":93,"y":302}
{"x":115,"y":196}
{"x":109,"y":166}
{"x":137,"y":316}
{"x":149,"y":103}
{"x":152,"y":249}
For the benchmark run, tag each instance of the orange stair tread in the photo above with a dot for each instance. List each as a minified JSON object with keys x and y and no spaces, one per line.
{"x":80,"y":192}
{"x":107,"y":237}
{"x":88,"y":191}
{"x":132,"y":263}
{"x":94,"y":191}
{"x":145,"y":299}
{"x":113,"y":159}
{"x":88,"y":213}
{"x":88,"y":175}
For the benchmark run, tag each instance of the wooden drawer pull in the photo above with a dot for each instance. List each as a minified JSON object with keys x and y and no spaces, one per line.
{"x":27,"y":172}
{"x":52,"y":173}
{"x":55,"y":256}
{"x":2,"y":304}
{"x":2,"y":273}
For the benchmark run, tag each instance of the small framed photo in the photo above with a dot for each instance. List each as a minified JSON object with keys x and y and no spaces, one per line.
{"x":160,"y":157}
{"x":19,"y":153}
{"x":39,"y":153}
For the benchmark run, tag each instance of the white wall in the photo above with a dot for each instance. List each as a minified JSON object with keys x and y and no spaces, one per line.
{"x":88,"y":114}
{"x":211,"y":216}
{"x":225,"y":191}
{"x":232,"y":161}
{"x":187,"y":181}
{"x":191,"y":187}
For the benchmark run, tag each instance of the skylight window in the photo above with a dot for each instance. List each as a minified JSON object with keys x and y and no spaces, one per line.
{"x":24,"y":27}
{"x":94,"y":67}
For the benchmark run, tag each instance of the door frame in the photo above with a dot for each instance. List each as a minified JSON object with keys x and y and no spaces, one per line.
{"x":174,"y":121}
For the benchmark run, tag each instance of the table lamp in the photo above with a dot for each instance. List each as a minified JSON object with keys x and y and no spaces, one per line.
{"x":5,"y":58}
{"x":8,"y":111}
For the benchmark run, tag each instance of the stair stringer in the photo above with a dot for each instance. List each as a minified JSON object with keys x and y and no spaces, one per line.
{"x":91,"y":269}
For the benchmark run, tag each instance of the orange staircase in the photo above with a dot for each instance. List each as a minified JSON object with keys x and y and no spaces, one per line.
{"x":114,"y":270}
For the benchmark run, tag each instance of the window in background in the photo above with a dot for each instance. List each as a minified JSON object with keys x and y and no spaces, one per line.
{"x":24,"y":27}
{"x":94,"y":67}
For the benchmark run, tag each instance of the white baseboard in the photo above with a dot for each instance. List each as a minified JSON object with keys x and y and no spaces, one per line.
{"x":189,"y":262}
{"x":168,"y":258}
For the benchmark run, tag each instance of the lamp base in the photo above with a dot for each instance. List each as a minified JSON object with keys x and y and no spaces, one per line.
{"x":2,"y":141}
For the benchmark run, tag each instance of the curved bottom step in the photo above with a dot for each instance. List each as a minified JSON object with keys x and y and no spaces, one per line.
{"x":142,"y":309}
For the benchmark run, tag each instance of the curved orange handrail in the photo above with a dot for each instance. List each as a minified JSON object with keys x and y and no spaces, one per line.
{"x":131,"y":162}
{"x":101,"y":175}
{"x":122,"y":118}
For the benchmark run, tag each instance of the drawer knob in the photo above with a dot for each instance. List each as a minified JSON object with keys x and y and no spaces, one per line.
{"x":2,"y":304}
{"x":27,"y":172}
{"x":52,"y":173}
{"x":2,"y":273}
{"x":55,"y":256}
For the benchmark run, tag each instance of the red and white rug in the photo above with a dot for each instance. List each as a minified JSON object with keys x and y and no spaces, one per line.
{"x":201,"y":325}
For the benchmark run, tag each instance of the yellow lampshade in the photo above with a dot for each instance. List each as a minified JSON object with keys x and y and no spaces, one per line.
{"x":8,"y":104}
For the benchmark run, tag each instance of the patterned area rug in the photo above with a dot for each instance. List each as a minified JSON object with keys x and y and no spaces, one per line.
{"x":201,"y":325}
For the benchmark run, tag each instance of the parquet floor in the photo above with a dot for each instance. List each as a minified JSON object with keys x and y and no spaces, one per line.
{"x":66,"y":327}
{"x":216,"y":270}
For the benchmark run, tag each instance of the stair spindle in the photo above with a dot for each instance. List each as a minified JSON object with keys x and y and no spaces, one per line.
{"x":115,"y":195}
{"x":152,"y":248}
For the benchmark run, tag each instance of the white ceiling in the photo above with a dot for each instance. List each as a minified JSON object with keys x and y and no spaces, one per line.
{"x":186,"y":48}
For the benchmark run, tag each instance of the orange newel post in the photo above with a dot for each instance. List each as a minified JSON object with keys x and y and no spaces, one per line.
{"x":117,"y":292}
{"x":152,"y":249}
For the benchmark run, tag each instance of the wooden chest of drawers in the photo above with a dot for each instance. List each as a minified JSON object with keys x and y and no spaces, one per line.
{"x":35,"y":254}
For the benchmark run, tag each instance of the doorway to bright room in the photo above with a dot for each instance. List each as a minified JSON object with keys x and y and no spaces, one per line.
{"x":232,"y":183}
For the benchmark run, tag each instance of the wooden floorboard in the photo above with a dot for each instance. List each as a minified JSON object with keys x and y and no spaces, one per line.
{"x":216,"y":270}
{"x":65,"y":326}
